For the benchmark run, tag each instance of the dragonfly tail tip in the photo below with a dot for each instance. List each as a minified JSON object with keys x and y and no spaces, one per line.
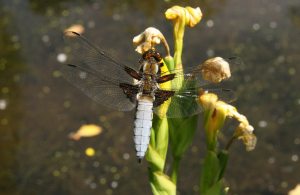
{"x":140,"y":160}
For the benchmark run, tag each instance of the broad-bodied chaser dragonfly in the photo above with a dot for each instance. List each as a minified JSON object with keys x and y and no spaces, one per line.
{"x":125,"y":88}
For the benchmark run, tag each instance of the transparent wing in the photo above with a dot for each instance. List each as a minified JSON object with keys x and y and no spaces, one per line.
{"x":182,"y":105}
{"x":84,"y":53}
{"x":192,"y":76}
{"x":96,"y":73}
{"x":102,"y":89}
{"x":185,"y":102}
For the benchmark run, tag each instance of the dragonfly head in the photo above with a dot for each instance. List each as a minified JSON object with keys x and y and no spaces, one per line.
{"x":151,"y":53}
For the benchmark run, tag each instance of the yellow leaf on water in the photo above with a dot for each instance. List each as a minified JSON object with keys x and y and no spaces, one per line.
{"x":78,"y":28}
{"x":295,"y":191}
{"x":89,"y":130}
{"x":90,"y":152}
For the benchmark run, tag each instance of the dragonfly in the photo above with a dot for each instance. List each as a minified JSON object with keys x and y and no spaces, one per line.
{"x":145,"y":87}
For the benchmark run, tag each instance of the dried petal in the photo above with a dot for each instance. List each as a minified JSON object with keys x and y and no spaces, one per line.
{"x":245,"y":132}
{"x":148,"y":39}
{"x":215,"y":70}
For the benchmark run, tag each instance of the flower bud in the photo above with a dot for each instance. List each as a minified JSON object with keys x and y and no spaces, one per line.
{"x":215,"y":70}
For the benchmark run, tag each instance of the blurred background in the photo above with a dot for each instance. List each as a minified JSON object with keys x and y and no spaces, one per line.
{"x":39,"y":109}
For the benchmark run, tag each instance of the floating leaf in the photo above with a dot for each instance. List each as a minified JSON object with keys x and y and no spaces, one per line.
{"x":78,"y":28}
{"x":90,"y":130}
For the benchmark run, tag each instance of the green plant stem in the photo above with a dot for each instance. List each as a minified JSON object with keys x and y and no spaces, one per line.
{"x":162,"y":137}
{"x":175,"y":170}
{"x":230,"y":143}
{"x":179,"y":28}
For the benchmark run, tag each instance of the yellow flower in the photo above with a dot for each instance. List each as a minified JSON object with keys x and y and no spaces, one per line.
{"x":182,"y":17}
{"x":191,"y":16}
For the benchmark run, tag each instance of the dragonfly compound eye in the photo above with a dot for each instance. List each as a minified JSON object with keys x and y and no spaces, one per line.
{"x":152,"y":54}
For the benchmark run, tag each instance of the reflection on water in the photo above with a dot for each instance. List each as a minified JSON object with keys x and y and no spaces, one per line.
{"x":38,"y":109}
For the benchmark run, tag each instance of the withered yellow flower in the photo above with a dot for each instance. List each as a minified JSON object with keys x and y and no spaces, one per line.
{"x":215,"y":70}
{"x":244,"y":131}
{"x":86,"y":131}
{"x":149,"y":39}
{"x":191,"y":16}
{"x":208,"y":100}
{"x":217,"y":111}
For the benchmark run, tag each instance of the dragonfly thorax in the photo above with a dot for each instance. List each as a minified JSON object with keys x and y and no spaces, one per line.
{"x":150,"y":67}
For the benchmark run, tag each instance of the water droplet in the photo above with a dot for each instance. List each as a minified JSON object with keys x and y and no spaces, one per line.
{"x":61,"y":57}
{"x":295,"y":158}
{"x":45,"y":38}
{"x":5,"y":90}
{"x":46,"y":89}
{"x":65,"y":13}
{"x":126,"y":156}
{"x":113,"y":169}
{"x":64,"y":169}
{"x":83,"y":75}
{"x":273,"y":24}
{"x":210,"y":23}
{"x":16,"y":78}
{"x":67,"y":104}
{"x":91,"y":24}
{"x":116,"y":17}
{"x":114,"y":184}
{"x":96,"y":164}
{"x":210,"y":52}
{"x":56,"y":74}
{"x":3,"y":104}
{"x":108,"y":191}
{"x":102,"y":181}
{"x":93,"y":185}
{"x":117,"y":176}
{"x":271,"y":160}
{"x":262,"y":124}
{"x":256,"y":26}
{"x":14,"y":38}
{"x":4,"y":121}
{"x":297,"y":141}
{"x":56,"y":173}
{"x":292,"y":71}
{"x":284,"y":184}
